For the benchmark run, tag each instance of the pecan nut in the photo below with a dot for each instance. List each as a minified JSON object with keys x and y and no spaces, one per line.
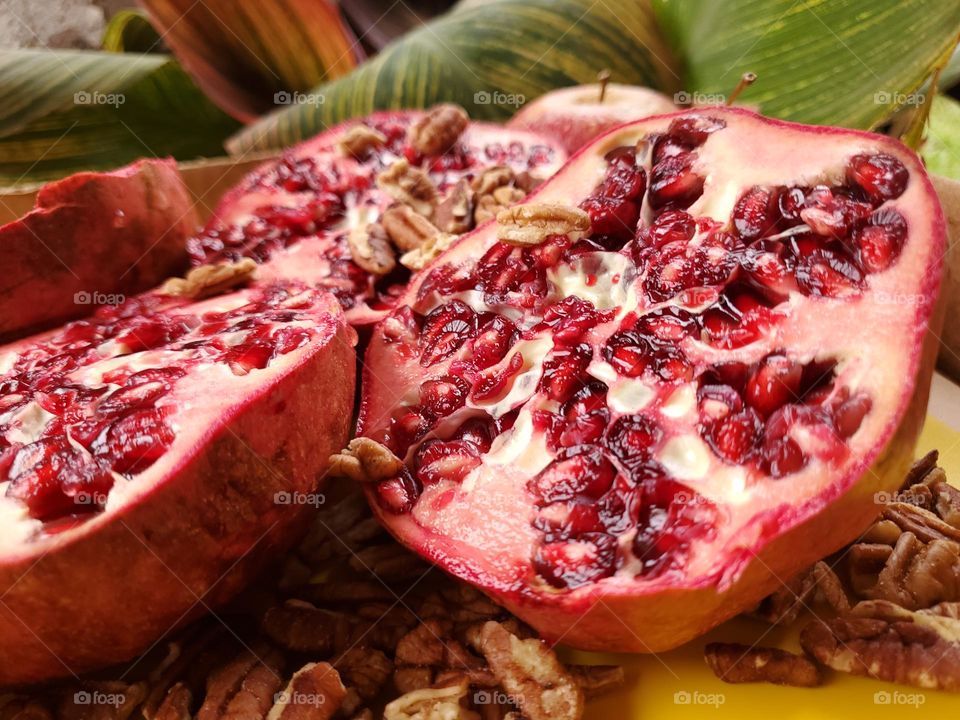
{"x":409,"y":185}
{"x":881,"y":640}
{"x":365,"y":460}
{"x":735,"y":663}
{"x":244,"y":687}
{"x":454,"y":214}
{"x":370,"y":249}
{"x":443,"y":703}
{"x":407,"y":230}
{"x":438,"y":129}
{"x":315,"y":692}
{"x":527,"y":225}
{"x":360,"y":140}
{"x":425,"y":254}
{"x":531,"y":673}
{"x":209,"y":280}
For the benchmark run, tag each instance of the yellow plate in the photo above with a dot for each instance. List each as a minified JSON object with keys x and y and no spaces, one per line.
{"x":678,"y":684}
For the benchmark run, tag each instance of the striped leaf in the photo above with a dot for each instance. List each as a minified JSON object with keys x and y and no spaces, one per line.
{"x":245,"y":54}
{"x":66,"y":111}
{"x":131,"y":31}
{"x":941,"y":151}
{"x":835,"y":62}
{"x":489,"y":57}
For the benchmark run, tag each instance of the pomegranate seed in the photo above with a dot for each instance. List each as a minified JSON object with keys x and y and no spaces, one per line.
{"x":478,"y":432}
{"x":398,"y":495}
{"x":833,"y":215}
{"x":782,"y":456}
{"x":880,"y":241}
{"x":445,"y":330}
{"x":585,"y":416}
{"x":735,"y":437}
{"x":587,"y":474}
{"x":694,"y":131}
{"x":790,"y":201}
{"x":249,"y":356}
{"x":632,"y":439}
{"x":670,"y":227}
{"x":828,"y":272}
{"x":716,"y":401}
{"x":883,"y":177}
{"x":451,"y":460}
{"x":774,"y":383}
{"x":408,"y":426}
{"x":673,"y":181}
{"x":564,"y":369}
{"x":136,"y":441}
{"x":570,"y":564}
{"x":671,"y":518}
{"x":612,"y":216}
{"x":494,"y":383}
{"x":444,"y":395}
{"x":288,"y":339}
{"x":754,"y":215}
{"x":849,"y":415}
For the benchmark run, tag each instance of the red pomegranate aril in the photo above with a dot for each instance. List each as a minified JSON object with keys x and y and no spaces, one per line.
{"x":250,"y":356}
{"x":674,"y":181}
{"x":443,"y":396}
{"x":585,"y":416}
{"x":446,"y":460}
{"x":829,"y":272}
{"x":833,"y":215}
{"x":406,"y":428}
{"x":716,"y":401}
{"x":773,"y":384}
{"x":883,"y":177}
{"x":629,"y":353}
{"x":782,"y":456}
{"x":587,"y":474}
{"x":850,"y":413}
{"x":152,"y":333}
{"x":735,"y":437}
{"x":880,"y":241}
{"x":398,"y":495}
{"x":612,"y":216}
{"x":493,"y":383}
{"x":669,"y":227}
{"x":633,"y":439}
{"x":572,"y":563}
{"x":564,"y":369}
{"x":135,"y":441}
{"x":694,"y":131}
{"x":479,"y":432}
{"x":445,"y":330}
{"x":755,"y":214}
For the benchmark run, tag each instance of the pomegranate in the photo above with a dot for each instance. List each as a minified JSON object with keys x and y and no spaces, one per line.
{"x":647,"y":426}
{"x":91,"y":239}
{"x":152,"y":458}
{"x":574,"y":116}
{"x":295,"y":215}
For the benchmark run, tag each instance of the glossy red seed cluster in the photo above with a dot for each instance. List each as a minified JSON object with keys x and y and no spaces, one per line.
{"x":98,"y":428}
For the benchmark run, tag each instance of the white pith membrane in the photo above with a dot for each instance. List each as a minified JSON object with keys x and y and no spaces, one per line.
{"x":482,"y":527}
{"x":317,"y":252}
{"x":219,"y":379}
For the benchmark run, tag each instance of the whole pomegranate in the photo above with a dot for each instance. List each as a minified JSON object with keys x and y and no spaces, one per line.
{"x":152,"y":458}
{"x":90,"y":238}
{"x":299,"y":216}
{"x":672,"y":379}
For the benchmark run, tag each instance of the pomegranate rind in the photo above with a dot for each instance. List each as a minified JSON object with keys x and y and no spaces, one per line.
{"x":93,"y":235}
{"x":191,"y":530}
{"x":897,"y":339}
{"x":574,"y":116}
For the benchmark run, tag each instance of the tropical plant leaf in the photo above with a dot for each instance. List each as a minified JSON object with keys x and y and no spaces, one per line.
{"x":66,"y":111}
{"x":941,"y":151}
{"x":248,"y":56}
{"x":488,"y":57}
{"x":131,"y":31}
{"x":836,"y":62}
{"x":376,"y":27}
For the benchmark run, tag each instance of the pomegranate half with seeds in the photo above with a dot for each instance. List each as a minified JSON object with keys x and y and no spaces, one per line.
{"x":632,"y":433}
{"x":294,"y":216}
{"x":152,"y":457}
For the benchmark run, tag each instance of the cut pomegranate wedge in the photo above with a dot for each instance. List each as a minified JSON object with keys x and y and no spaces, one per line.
{"x":295,"y":216}
{"x":91,"y":239}
{"x":630,"y":433}
{"x":152,"y":457}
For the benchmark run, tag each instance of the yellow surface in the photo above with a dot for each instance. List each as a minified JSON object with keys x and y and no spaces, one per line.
{"x":654,"y":681}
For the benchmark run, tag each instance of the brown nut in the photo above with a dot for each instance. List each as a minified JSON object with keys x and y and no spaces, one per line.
{"x":426,"y":253}
{"x":210,"y":280}
{"x":315,"y":692}
{"x":407,"y":229}
{"x":454,"y":214}
{"x":528,"y":225}
{"x":735,"y":663}
{"x":409,"y":185}
{"x":438,"y":130}
{"x":371,"y":249}
{"x":365,"y":460}
{"x":360,"y":140}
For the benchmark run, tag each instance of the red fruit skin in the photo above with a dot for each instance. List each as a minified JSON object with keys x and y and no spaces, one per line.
{"x":575,"y":116}
{"x":104,"y":592}
{"x":112,"y":233}
{"x":616,"y":618}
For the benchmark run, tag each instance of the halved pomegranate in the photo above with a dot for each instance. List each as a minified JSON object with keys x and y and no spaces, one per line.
{"x":154,"y":456}
{"x":691,"y":405}
{"x":91,"y":239}
{"x":295,"y":215}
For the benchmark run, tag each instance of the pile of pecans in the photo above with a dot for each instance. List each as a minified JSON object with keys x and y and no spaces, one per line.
{"x":351,"y":626}
{"x":886,"y":606}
